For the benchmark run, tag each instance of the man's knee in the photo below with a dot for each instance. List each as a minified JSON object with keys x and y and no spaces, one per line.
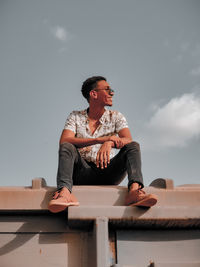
{"x":133,"y":146}
{"x":67,"y":147}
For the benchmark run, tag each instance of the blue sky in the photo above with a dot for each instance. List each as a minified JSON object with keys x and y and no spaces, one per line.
{"x":148,"y":50}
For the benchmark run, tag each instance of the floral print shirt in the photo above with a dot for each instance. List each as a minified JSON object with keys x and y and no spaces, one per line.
{"x":111,"y":122}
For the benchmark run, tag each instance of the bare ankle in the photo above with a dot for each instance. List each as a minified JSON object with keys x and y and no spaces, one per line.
{"x":65,"y":190}
{"x":134,"y":187}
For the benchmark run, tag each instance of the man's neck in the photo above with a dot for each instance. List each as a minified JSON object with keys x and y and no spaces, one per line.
{"x":95,"y":112}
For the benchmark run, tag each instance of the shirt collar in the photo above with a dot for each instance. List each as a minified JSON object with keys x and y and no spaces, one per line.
{"x":103,"y":117}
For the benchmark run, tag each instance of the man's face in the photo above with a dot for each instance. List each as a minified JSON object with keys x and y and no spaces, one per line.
{"x":104,"y":93}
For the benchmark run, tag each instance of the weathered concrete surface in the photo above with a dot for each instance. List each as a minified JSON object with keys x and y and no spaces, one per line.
{"x":38,"y":196}
{"x":168,"y":248}
{"x":132,"y":216}
{"x":176,"y":207}
{"x":31,"y":235}
{"x":69,"y":249}
{"x":43,"y":240}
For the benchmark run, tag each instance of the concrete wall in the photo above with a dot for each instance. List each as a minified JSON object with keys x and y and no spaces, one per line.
{"x":101,"y":231}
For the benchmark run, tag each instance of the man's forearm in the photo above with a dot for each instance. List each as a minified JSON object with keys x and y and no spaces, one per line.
{"x":126,"y":140}
{"x":83,"y":142}
{"x":120,"y":142}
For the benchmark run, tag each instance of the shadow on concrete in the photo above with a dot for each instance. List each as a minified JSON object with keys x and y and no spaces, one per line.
{"x":47,"y":197}
{"x":41,"y":224}
{"x":149,"y":235}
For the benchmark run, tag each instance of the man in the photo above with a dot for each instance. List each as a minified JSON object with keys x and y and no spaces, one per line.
{"x":87,"y":145}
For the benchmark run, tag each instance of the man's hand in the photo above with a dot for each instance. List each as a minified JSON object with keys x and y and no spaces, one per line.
{"x":103,"y":155}
{"x":119,"y":142}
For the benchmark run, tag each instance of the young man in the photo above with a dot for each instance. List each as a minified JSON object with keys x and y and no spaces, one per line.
{"x":87,"y":146}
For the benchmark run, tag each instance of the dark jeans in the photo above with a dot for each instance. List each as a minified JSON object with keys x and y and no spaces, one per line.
{"x":74,"y":170}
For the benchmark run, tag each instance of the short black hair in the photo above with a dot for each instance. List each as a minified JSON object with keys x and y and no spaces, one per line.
{"x":90,"y":84}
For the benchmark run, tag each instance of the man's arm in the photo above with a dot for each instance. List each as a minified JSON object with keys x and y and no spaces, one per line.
{"x":125,"y":137}
{"x":103,"y":155}
{"x":69,"y":136}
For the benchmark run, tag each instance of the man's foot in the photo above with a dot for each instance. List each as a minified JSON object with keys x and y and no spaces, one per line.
{"x":61,"y":200}
{"x":140,"y":198}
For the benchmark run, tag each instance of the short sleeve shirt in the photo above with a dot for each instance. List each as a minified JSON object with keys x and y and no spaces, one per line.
{"x":111,"y":122}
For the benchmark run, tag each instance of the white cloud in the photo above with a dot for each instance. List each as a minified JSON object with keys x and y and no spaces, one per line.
{"x":195,"y":71}
{"x":173,"y":125}
{"x":60,"y":33}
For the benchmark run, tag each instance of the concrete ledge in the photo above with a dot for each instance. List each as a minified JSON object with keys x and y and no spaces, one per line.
{"x":132,"y":213}
{"x":37,"y":197}
{"x":115,"y":196}
{"x":26,"y":198}
{"x":23,"y":198}
{"x":30,"y":231}
{"x":129,"y":216}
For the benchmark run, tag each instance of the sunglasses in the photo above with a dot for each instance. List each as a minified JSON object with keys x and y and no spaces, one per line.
{"x":109,"y":90}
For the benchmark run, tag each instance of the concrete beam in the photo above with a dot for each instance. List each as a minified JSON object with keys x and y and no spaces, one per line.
{"x":37,"y":197}
{"x":102,"y":242}
{"x":156,"y":216}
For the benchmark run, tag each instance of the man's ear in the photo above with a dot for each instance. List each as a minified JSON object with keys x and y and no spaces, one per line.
{"x":93,"y":94}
